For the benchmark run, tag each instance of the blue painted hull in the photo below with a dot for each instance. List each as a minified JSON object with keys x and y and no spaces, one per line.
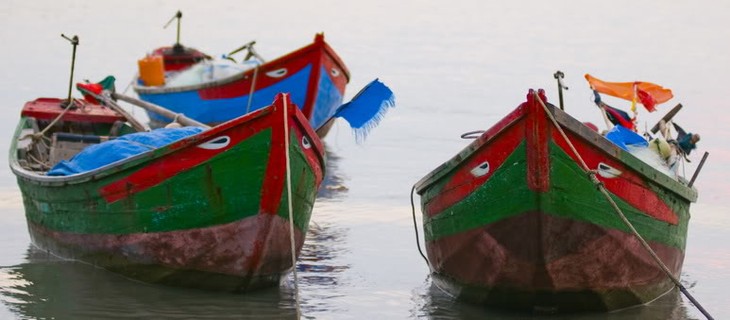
{"x":314,"y":77}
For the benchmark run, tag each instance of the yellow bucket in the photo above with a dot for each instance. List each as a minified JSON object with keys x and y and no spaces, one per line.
{"x":152,"y":70}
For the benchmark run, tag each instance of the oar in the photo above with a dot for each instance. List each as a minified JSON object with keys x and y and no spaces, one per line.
{"x":365,"y":111}
{"x":179,"y":117}
{"x":139,"y":126}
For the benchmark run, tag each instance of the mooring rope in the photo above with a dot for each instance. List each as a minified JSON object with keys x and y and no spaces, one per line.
{"x":602,"y":188}
{"x":415,"y":227}
{"x":289,"y":203}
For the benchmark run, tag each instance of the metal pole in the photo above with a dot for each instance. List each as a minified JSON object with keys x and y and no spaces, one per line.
{"x":179,"y":18}
{"x":558,"y":76}
{"x":75,"y":42}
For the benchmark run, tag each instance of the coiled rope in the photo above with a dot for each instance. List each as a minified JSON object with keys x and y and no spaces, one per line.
{"x":619,"y":212}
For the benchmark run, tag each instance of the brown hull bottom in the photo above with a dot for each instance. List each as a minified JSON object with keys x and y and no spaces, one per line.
{"x":539,"y":262}
{"x":240,"y":256}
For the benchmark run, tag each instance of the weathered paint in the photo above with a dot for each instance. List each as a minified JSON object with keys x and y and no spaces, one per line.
{"x":537,"y":233}
{"x":537,"y":261}
{"x":174,"y":210}
{"x":239,"y":256}
{"x":49,"y":109}
{"x":314,"y":76}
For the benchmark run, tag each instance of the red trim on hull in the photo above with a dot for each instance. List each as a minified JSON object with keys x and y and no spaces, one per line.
{"x":629,"y":186}
{"x":273,"y":187}
{"x":314,"y":78}
{"x":274,"y":184}
{"x":537,"y":135}
{"x":315,"y":159}
{"x":494,"y":151}
{"x":242,"y":86}
{"x":190,"y":156}
{"x":315,"y":54}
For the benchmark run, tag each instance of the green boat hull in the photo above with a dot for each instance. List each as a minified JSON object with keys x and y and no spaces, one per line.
{"x":514,"y":222}
{"x":209,"y":211}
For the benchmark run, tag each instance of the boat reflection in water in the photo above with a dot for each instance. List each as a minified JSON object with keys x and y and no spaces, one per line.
{"x":332,"y":186}
{"x":433,"y":303}
{"x":321,"y":264}
{"x":50,"y":288}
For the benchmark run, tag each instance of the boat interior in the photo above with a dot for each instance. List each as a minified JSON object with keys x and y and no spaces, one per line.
{"x":50,"y":132}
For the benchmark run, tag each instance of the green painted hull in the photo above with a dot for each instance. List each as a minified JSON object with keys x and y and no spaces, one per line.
{"x":208,"y":211}
{"x":514,"y":222}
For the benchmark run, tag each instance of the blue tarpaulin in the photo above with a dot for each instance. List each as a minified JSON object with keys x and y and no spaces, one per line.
{"x":623,"y":137}
{"x":99,"y":155}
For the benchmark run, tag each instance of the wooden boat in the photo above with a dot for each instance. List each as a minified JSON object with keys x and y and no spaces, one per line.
{"x":314,"y":76}
{"x":513,"y":220}
{"x":207,"y":211}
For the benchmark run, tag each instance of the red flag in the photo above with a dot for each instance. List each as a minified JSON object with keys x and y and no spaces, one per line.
{"x":646,"y":99}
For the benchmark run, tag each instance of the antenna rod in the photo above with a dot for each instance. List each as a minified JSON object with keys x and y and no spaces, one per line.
{"x":75,"y":42}
{"x":177,"y":16}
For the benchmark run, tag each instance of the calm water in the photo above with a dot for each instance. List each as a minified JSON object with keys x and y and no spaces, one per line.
{"x":455,"y":67}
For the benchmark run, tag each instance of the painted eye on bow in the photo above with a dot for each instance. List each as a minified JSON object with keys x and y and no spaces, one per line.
{"x":480,"y":170}
{"x":217,"y":143}
{"x":305,"y":143}
{"x":278,"y":73}
{"x":607,"y":171}
{"x":335,"y":72}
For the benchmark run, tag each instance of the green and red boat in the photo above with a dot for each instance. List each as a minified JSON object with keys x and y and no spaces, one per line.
{"x":208,"y":211}
{"x":513,"y":220}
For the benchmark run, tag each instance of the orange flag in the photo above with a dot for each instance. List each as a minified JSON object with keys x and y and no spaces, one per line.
{"x":625,"y":90}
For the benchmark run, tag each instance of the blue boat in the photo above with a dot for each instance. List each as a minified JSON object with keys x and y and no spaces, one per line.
{"x":215,"y":91}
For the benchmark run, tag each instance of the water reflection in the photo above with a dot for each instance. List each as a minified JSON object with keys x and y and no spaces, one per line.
{"x":333,"y":186}
{"x":49,"y":288}
{"x":432,"y":303}
{"x":320,"y":268}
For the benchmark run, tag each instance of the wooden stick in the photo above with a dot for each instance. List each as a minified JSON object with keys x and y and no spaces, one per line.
{"x":697,"y":171}
{"x":179,"y":117}
{"x":667,"y":117}
{"x":130,"y":118}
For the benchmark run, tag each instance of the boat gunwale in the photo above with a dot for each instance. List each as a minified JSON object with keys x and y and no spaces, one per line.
{"x":317,"y":44}
{"x":154,"y":154}
{"x":576,"y":127}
